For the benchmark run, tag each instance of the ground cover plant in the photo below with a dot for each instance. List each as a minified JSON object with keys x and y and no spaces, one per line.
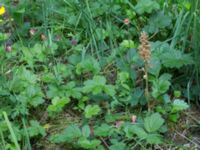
{"x":99,"y":74}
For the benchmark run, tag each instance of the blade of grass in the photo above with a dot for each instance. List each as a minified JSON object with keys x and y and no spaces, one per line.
{"x":14,"y":138}
{"x":3,"y":141}
{"x":26,"y":134}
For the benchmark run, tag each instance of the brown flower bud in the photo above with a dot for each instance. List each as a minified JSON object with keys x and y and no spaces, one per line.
{"x":43,"y":37}
{"x":144,"y":48}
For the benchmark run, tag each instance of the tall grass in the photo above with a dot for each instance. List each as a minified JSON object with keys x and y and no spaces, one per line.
{"x":186,"y":35}
{"x":194,"y":23}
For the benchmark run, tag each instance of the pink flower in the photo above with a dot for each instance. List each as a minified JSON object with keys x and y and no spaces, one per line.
{"x":126,"y":21}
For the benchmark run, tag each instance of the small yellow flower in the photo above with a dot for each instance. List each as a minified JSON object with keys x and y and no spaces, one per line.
{"x":47,"y":126}
{"x":2,"y":10}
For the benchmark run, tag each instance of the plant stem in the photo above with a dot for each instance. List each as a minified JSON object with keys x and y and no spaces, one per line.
{"x":146,"y":85}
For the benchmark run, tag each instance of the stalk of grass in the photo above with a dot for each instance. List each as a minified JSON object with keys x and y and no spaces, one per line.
{"x":14,"y":138}
{"x":178,"y":28}
{"x":3,"y":141}
{"x":27,"y":135}
{"x":145,"y":54}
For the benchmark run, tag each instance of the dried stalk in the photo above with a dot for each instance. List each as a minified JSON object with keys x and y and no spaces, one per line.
{"x":145,"y":54}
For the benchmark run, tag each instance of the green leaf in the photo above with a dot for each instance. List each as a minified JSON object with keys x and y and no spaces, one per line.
{"x":103,"y":130}
{"x":130,"y":130}
{"x":86,"y":131}
{"x":3,"y":37}
{"x":177,"y":93}
{"x":110,"y":90}
{"x":97,"y":86}
{"x":154,"y":139}
{"x":118,"y":146}
{"x":174,"y":117}
{"x":58,"y":138}
{"x":63,"y":70}
{"x":146,"y":6}
{"x":21,"y":10}
{"x":35,"y":129}
{"x":34,"y":95}
{"x":58,"y":104}
{"x":54,"y":91}
{"x":72,"y":132}
{"x":179,"y":105}
{"x":136,"y":95}
{"x":86,"y":144}
{"x":128,"y":44}
{"x":72,"y":90}
{"x":165,"y":76}
{"x":123,"y":77}
{"x":88,"y":65}
{"x":153,"y":122}
{"x":158,"y":21}
{"x":175,"y":59}
{"x":48,"y":77}
{"x":170,"y":58}
{"x":161,"y":85}
{"x":92,"y":110}
{"x":155,"y":66}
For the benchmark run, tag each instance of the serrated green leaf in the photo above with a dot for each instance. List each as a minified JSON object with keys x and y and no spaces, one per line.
{"x":179,"y":105}
{"x":153,"y":122}
{"x":86,"y":144}
{"x":92,"y":110}
{"x":155,"y":66}
{"x":158,"y":21}
{"x":161,"y":85}
{"x":103,"y":130}
{"x":88,"y":65}
{"x":118,"y":146}
{"x":35,"y":129}
{"x":97,"y":86}
{"x":131,"y":130}
{"x":58,"y":104}
{"x":72,"y":132}
{"x":175,"y":59}
{"x":110,"y":90}
{"x":146,"y":6}
{"x":127,"y":44}
{"x":154,"y":139}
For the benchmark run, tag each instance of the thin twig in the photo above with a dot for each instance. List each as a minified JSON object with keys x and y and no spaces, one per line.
{"x":104,"y":142}
{"x":196,"y":144}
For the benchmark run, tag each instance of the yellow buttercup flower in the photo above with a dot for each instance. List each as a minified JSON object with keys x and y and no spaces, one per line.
{"x":2,"y":10}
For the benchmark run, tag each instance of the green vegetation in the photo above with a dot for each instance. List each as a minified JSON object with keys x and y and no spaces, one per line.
{"x":99,"y":74}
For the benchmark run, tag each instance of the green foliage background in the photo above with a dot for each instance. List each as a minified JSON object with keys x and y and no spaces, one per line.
{"x":73,"y":75}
